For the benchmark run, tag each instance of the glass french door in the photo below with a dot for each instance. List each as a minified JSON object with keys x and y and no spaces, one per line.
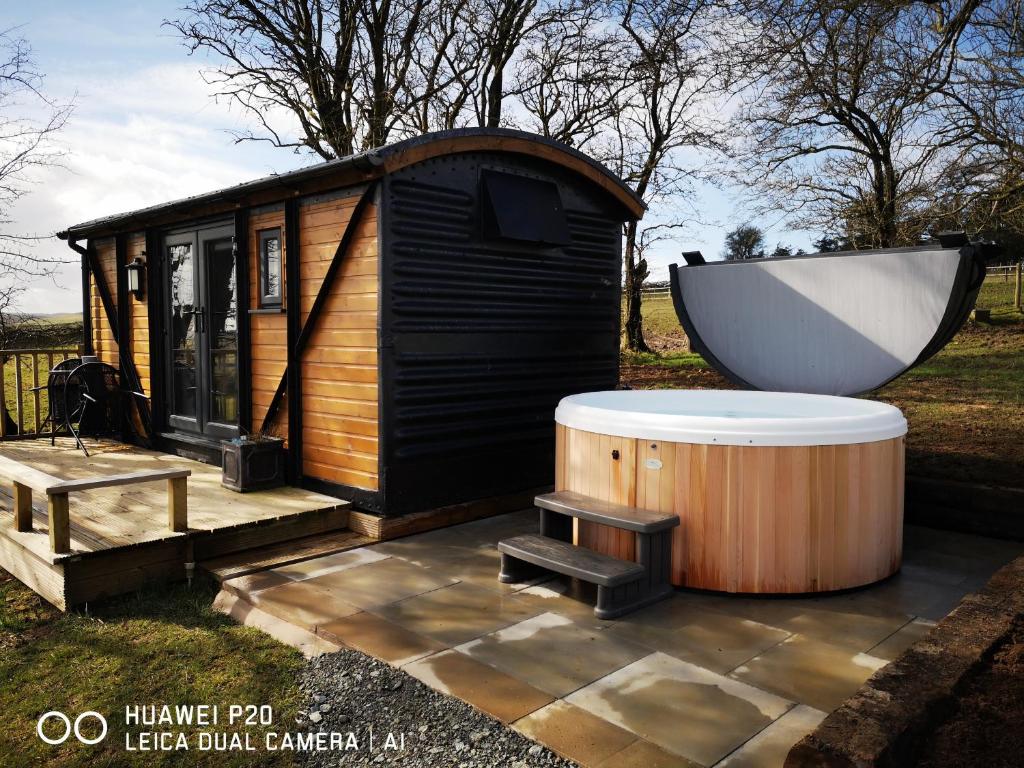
{"x":202,"y":325}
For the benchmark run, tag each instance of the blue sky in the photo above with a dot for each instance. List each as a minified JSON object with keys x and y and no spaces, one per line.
{"x":146,"y":129}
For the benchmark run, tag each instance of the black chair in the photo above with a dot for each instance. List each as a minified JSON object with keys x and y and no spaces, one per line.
{"x":87,"y":399}
{"x":94,"y":400}
{"x":54,"y":386}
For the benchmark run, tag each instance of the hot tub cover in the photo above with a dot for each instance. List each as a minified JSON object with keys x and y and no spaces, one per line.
{"x":828,"y":323}
{"x":727,"y":417}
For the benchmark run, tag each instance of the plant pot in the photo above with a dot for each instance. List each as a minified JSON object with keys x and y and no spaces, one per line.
{"x":252,"y":464}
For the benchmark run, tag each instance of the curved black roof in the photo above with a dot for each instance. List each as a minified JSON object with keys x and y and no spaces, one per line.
{"x":374,"y":163}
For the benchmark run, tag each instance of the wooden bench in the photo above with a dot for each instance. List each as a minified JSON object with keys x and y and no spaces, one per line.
{"x":622,"y":586}
{"x":26,"y":479}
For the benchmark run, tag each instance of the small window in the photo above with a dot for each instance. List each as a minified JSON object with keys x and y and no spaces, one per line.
{"x":523,"y":208}
{"x":270,"y":268}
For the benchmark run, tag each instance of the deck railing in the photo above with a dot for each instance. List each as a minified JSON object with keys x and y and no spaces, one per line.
{"x":25,"y":406}
{"x":26,"y":479}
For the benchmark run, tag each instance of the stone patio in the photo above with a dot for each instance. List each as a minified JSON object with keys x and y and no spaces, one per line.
{"x":697,"y":680}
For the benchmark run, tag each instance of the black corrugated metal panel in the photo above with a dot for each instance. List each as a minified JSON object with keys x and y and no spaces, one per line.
{"x":481,"y":336}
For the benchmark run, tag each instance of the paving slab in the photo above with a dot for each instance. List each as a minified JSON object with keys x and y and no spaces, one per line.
{"x":567,"y":597}
{"x":553,"y":654}
{"x":481,"y":569}
{"x":644,"y":754}
{"x":768,"y":749}
{"x":809,"y":671}
{"x":380,"y":638}
{"x":683,"y":708}
{"x":489,"y":690}
{"x":457,"y":613}
{"x":321,"y":566}
{"x":716,"y":641}
{"x":245,"y":613}
{"x":852,"y":620}
{"x":902,"y":639}
{"x":376,"y":584}
{"x":574,"y":733}
{"x":254,"y":582}
{"x":303,"y":604}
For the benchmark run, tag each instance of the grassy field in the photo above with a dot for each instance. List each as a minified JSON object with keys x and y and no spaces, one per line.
{"x":965,"y":406}
{"x":157,"y":647}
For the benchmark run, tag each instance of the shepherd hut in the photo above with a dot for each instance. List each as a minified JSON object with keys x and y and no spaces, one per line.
{"x":406,"y":318}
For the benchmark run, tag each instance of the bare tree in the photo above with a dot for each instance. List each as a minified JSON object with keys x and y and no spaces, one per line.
{"x":358,"y":73}
{"x":838,"y":115}
{"x":571,"y":79}
{"x":343,"y":68}
{"x":984,"y":100}
{"x":29,"y":121}
{"x":483,"y":41}
{"x":670,"y":79}
{"x":446,"y":55}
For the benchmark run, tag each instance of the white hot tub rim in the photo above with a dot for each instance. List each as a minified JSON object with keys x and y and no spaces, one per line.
{"x":605,"y":413}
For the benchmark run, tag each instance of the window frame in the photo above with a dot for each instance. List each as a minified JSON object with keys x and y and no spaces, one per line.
{"x":264,"y":236}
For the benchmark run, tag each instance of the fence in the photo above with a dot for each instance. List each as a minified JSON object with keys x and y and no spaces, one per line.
{"x":23,"y":371}
{"x":1006,"y":271}
{"x":660,"y":290}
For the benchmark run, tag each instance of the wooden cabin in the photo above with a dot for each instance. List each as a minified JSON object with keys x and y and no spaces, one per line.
{"x":406,"y":319}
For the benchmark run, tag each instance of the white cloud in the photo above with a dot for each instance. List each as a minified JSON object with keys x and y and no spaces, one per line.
{"x":135,"y":140}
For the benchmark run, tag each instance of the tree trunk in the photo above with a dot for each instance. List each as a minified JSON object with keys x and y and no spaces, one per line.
{"x":634,"y":283}
{"x":495,"y":91}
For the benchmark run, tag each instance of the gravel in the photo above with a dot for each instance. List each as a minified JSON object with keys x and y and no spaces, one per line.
{"x":348,"y":691}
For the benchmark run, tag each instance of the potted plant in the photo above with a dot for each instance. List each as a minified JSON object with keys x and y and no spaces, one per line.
{"x":252,"y":462}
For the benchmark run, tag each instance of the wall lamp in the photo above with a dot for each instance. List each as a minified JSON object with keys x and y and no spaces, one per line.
{"x":136,"y":273}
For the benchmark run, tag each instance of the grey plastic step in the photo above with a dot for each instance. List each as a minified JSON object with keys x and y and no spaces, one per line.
{"x":607,"y":513}
{"x":577,"y":562}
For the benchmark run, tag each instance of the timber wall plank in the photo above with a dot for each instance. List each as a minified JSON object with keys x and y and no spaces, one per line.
{"x":339,"y":365}
{"x":268,"y":332}
{"x":138,"y":315}
{"x":103,"y":342}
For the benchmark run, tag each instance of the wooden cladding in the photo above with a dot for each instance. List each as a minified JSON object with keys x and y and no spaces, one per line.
{"x":752,"y":519}
{"x":339,"y":364}
{"x":103,"y":343}
{"x":138,"y":315}
{"x":268,"y":332}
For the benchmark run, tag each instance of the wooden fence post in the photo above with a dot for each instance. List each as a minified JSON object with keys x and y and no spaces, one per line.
{"x":60,"y":528}
{"x":1017,"y":286}
{"x":22,"y":507}
{"x":177,"y":504}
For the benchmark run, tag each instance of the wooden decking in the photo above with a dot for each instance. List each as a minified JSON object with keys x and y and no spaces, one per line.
{"x":119,"y":535}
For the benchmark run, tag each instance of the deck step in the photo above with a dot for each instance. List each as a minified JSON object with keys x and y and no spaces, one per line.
{"x":606,"y":512}
{"x":283,"y":553}
{"x":577,"y":562}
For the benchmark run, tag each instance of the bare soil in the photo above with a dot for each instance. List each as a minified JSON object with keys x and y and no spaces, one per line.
{"x":985,"y":728}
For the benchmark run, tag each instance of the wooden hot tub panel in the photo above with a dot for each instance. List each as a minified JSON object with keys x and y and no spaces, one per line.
{"x":752,"y":519}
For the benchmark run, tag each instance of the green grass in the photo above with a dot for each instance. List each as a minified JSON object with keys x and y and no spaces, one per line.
{"x":161,"y":646}
{"x":965,"y":406}
{"x":59,"y":318}
{"x":679,"y":359}
{"x":660,"y":316}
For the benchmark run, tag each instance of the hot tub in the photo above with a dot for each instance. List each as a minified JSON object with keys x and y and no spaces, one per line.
{"x":776,"y":492}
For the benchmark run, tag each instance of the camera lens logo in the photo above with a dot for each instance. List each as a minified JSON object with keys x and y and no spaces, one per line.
{"x":69,"y":728}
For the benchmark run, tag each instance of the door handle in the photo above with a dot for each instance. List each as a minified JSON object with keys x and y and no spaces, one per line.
{"x":200,"y":315}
